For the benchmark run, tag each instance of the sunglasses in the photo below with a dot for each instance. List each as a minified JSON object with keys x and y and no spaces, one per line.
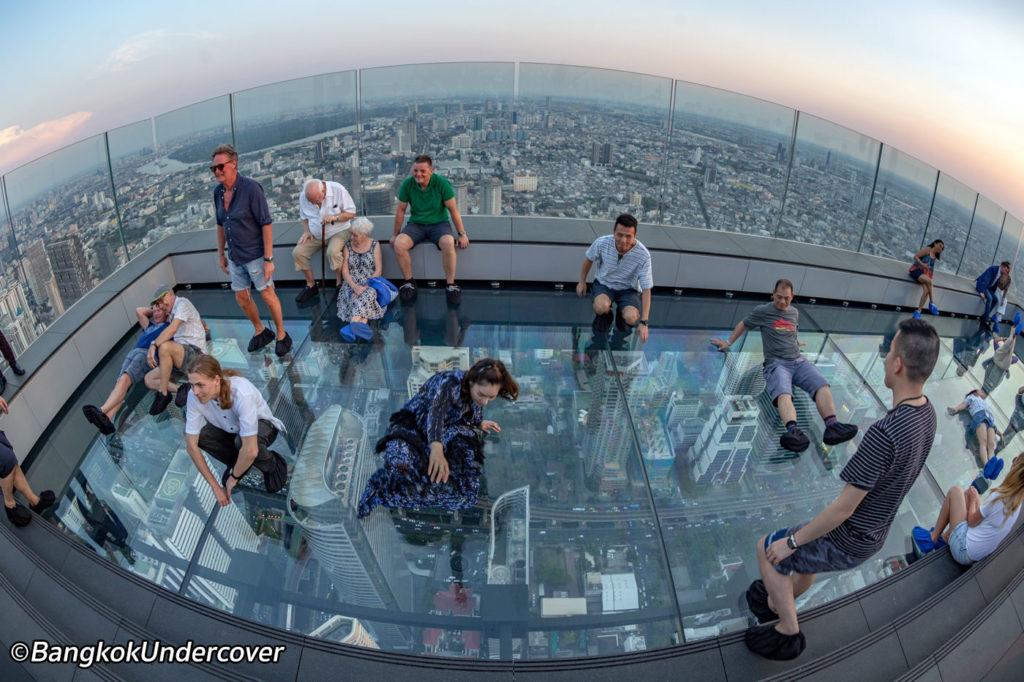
{"x":218,"y":167}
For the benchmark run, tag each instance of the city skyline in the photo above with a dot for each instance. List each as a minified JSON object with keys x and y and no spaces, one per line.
{"x":929,"y":78}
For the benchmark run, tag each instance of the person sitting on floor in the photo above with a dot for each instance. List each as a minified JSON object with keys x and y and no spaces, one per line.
{"x":153,"y":321}
{"x":357,"y":301}
{"x":971,"y":529}
{"x":983,"y":426}
{"x":784,"y":366}
{"x":174,"y":349}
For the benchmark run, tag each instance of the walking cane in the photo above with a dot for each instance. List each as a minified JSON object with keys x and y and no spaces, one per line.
{"x":323,"y":260}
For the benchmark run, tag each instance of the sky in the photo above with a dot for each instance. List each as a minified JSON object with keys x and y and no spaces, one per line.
{"x":939,"y":79}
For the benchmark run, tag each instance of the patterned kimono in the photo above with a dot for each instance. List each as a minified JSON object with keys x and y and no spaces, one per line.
{"x":436,"y":413}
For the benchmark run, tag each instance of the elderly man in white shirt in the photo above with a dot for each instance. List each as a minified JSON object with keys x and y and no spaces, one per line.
{"x":182,"y":339}
{"x":228,"y":418}
{"x":325,"y":209}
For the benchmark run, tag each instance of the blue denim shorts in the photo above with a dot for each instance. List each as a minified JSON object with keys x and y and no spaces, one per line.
{"x":817,"y":556}
{"x":980,"y":418}
{"x":251,"y":273}
{"x":958,"y":544}
{"x":136,"y":364}
{"x":780,"y":375}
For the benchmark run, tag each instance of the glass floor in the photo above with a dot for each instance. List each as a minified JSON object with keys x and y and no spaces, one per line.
{"x":619,"y":506}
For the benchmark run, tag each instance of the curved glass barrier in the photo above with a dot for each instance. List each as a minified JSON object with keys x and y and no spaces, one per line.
{"x":829,"y":185}
{"x":728,"y":161}
{"x":526,"y":139}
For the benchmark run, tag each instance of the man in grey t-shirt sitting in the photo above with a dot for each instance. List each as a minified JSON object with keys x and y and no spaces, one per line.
{"x":785,"y":366}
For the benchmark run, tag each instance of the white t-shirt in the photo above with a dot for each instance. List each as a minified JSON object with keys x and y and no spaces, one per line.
{"x":337,"y":200}
{"x":986,"y":536}
{"x":247,"y":408}
{"x":191,"y":330}
{"x":976,"y":404}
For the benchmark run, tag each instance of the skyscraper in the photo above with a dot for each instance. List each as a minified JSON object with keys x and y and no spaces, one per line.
{"x":37,"y":270}
{"x":377,"y":199}
{"x":490,"y":199}
{"x":67,"y":260}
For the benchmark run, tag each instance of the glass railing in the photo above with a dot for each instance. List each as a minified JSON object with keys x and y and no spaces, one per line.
{"x":515,"y":139}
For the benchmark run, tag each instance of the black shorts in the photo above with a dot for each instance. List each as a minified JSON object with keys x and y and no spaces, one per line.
{"x":620,"y":297}
{"x":420,"y":233}
{"x":817,"y":556}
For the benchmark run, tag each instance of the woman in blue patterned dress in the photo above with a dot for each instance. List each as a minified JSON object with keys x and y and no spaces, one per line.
{"x":360,"y":262}
{"x":432,"y":454}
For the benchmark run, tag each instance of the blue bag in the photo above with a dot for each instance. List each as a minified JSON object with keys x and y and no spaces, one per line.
{"x":386,"y":291}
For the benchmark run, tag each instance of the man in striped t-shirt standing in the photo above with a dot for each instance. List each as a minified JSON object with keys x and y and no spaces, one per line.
{"x":854,"y":527}
{"x":623,"y":277}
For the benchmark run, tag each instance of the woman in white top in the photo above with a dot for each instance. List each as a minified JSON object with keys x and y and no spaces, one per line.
{"x":983,"y":425}
{"x":227,"y":417}
{"x":976,"y":529}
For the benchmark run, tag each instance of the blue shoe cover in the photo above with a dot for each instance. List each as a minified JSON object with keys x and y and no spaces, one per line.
{"x":917,"y":314}
{"x":1018,"y":328}
{"x":347,"y":334}
{"x":933,"y":309}
{"x":923,"y":541}
{"x":992,"y":468}
{"x":361,"y":330}
{"x":1017,"y":318}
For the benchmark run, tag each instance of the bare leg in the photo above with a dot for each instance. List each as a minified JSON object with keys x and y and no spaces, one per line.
{"x":248,"y":307}
{"x":780,"y":593}
{"x":116,"y":397}
{"x":447,"y":244}
{"x":172,"y":354}
{"x":981,"y":433}
{"x":630,"y":315}
{"x":21,"y":484}
{"x":602,"y":304}
{"x":823,"y":399}
{"x":308,"y":274}
{"x":274,"y":305}
{"x":953,"y":511}
{"x":787,"y":413}
{"x":991,"y":441}
{"x":401,"y":243}
{"x":7,"y":485}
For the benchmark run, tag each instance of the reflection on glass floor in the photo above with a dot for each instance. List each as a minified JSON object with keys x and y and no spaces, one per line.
{"x":619,"y":506}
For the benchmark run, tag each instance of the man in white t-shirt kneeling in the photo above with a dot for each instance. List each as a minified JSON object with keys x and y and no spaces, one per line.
{"x":228,"y":418}
{"x":182,"y":340}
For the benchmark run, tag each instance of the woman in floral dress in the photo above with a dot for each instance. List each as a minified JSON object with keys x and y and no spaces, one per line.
{"x":433,"y":457}
{"x":357,"y":300}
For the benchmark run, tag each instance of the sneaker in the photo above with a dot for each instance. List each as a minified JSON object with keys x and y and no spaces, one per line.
{"x":306,"y":294}
{"x":46,"y":500}
{"x":992,"y":468}
{"x":933,"y":309}
{"x":917,"y":314}
{"x":453,"y":294}
{"x":602,"y":323}
{"x":407,"y":292}
{"x":261,"y":339}
{"x":17,"y":369}
{"x":837,"y":432}
{"x":794,"y":441}
{"x":757,"y":601}
{"x":96,"y":417}
{"x":282,"y":346}
{"x":160,"y":403}
{"x":766,"y":641}
{"x":181,"y":396}
{"x":19,"y":515}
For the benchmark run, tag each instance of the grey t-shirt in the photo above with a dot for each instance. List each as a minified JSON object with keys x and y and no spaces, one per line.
{"x":778,"y":331}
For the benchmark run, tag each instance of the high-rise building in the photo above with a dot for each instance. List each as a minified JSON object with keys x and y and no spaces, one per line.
{"x":400,"y":143}
{"x":607,"y":442}
{"x":429,"y":360}
{"x":377,"y":199}
{"x":461,"y":195}
{"x":524,"y":182}
{"x":508,"y":561}
{"x":37,"y":270}
{"x":330,"y":471}
{"x":490,"y":199}
{"x":602,"y":153}
{"x":70,"y":270}
{"x":723,"y":448}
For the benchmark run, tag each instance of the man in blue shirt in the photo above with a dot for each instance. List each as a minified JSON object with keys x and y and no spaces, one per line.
{"x":623,"y":277}
{"x":153,"y":321}
{"x":995,"y":277}
{"x":244,"y":227}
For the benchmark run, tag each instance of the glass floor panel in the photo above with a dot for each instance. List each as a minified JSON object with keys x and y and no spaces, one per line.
{"x":619,"y":505}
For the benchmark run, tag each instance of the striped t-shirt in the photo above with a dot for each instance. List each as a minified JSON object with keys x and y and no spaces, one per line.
{"x":632,"y":270}
{"x":886,"y":464}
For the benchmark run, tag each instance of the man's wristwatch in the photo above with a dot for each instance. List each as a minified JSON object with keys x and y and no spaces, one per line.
{"x":462,"y":234}
{"x":791,"y":541}
{"x":268,"y":260}
{"x":643,"y":322}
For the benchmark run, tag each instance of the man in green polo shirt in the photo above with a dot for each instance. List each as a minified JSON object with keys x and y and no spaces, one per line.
{"x":431,"y":200}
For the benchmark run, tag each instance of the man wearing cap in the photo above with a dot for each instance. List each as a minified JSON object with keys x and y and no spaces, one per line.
{"x":325,"y":209}
{"x":244,"y":229}
{"x":153,"y":321}
{"x":182,"y":340}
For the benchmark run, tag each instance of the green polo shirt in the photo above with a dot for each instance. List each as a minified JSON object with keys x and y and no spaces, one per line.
{"x":426,"y":204}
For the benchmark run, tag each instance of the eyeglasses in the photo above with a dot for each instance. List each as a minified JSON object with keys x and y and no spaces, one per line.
{"x":216,"y":168}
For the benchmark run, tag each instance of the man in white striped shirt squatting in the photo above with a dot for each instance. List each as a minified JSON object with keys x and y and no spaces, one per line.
{"x":623,"y":277}
{"x":854,"y":527}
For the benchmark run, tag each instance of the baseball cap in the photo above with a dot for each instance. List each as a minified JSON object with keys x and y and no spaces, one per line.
{"x":160,"y":291}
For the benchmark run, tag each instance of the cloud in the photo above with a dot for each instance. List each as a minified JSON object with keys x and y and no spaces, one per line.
{"x":148,"y":44}
{"x":18,"y":145}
